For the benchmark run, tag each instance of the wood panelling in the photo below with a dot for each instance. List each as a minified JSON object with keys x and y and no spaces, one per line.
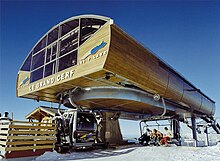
{"x":175,"y":88}
{"x":130,"y":60}
{"x":22,"y":136}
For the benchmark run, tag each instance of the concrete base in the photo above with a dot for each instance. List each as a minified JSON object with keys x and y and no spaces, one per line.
{"x":109,"y":129}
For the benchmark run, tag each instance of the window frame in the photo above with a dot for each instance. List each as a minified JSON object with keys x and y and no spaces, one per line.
{"x":77,"y":41}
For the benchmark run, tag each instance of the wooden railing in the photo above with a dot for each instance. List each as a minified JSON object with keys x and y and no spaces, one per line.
{"x":18,"y":136}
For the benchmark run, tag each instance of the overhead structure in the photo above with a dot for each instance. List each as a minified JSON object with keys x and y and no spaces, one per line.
{"x":92,"y":53}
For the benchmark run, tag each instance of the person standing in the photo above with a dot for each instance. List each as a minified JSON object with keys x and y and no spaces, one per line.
{"x":6,"y":116}
{"x":5,"y":120}
{"x":57,"y":119}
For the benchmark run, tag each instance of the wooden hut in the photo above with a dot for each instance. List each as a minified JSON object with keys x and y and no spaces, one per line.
{"x":43,"y":114}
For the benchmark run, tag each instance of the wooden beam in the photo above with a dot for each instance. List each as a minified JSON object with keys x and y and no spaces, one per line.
{"x":30,"y":137}
{"x":31,"y":142}
{"x":2,"y":143}
{"x":29,"y":147}
{"x":3,"y":137}
{"x":2,"y":148}
{"x":3,"y":131}
{"x":31,"y":132}
{"x":39,"y":123}
{"x":4,"y":126}
{"x":31,"y":127}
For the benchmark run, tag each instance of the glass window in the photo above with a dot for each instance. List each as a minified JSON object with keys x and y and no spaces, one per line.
{"x":52,"y":36}
{"x":37,"y":74}
{"x":68,"y":44}
{"x":87,"y":31}
{"x":68,"y":26}
{"x":27,"y":64}
{"x":50,"y":69}
{"x":38,"y":60}
{"x":68,"y":60}
{"x":88,"y":27}
{"x":51,"y":53}
{"x":48,"y":54}
{"x":40,"y":45}
{"x":85,"y":122}
{"x":97,"y":23}
{"x":54,"y":51}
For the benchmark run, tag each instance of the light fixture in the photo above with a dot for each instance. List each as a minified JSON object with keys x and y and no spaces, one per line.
{"x":108,"y":75}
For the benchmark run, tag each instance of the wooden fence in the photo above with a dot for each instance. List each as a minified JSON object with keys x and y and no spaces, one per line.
{"x":22,"y":139}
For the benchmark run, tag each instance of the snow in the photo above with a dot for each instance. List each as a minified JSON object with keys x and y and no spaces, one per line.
{"x":140,"y":153}
{"x":136,"y":153}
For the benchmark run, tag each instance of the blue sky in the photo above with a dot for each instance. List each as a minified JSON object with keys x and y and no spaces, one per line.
{"x":184,"y":34}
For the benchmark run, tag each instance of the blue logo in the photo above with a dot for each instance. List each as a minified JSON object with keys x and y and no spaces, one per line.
{"x":24,"y":81}
{"x":94,"y":50}
{"x":97,"y":48}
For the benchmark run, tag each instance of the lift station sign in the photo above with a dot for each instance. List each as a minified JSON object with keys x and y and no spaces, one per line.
{"x":94,"y":51}
{"x":52,"y":80}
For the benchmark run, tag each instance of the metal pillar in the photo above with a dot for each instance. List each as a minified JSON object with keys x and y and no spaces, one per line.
{"x":207,"y":135}
{"x":193,"y":120}
{"x":176,"y":129}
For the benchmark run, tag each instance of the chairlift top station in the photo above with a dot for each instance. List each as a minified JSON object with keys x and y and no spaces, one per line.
{"x":110,"y":69}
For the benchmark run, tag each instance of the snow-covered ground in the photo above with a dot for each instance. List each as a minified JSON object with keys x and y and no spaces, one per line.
{"x":137,"y":153}
{"x":141,"y":153}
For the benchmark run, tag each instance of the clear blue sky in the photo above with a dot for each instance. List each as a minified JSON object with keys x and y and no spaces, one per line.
{"x":184,"y":34}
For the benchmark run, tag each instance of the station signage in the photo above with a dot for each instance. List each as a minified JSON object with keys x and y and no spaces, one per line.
{"x":94,"y":50}
{"x":57,"y":78}
{"x":85,"y":58}
{"x":89,"y":59}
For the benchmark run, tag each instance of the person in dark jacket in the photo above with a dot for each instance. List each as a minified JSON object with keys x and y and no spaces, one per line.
{"x":145,"y":138}
{"x":5,"y":120}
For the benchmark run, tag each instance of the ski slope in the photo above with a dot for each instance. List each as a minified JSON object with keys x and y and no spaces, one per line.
{"x":140,"y":153}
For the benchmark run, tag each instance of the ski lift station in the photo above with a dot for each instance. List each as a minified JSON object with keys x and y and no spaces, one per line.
{"x":88,"y":63}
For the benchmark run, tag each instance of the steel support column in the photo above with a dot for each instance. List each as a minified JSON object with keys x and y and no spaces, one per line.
{"x":207,"y":135}
{"x":193,"y":120}
{"x":176,"y":129}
